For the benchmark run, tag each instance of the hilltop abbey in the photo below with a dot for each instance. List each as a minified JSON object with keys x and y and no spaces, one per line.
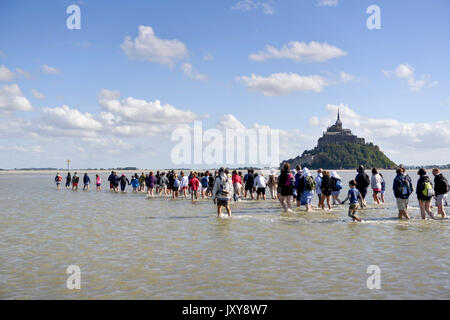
{"x":334,"y":135}
{"x":337,"y":135}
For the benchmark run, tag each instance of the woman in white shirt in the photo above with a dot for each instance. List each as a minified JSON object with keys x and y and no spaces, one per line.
{"x":260,"y":185}
{"x":375,"y":183}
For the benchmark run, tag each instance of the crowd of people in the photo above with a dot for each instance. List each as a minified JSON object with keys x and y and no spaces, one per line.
{"x":290,"y":186}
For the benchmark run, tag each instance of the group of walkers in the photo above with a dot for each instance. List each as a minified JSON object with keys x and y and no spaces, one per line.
{"x":298,"y":184}
{"x":291,"y":185}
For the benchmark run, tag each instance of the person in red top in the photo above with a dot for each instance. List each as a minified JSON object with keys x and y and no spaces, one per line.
{"x":237,"y":185}
{"x":194,"y":183}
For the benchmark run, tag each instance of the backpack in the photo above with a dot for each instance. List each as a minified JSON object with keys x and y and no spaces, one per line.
{"x":366,"y":180}
{"x":428,"y":190}
{"x":310,"y":184}
{"x":339,"y":185}
{"x":223,"y":188}
{"x":204,"y":182}
{"x":404,"y":187}
{"x":176,"y":183}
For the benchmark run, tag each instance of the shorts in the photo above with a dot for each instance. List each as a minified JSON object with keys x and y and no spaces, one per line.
{"x":260,"y":191}
{"x":353,"y":206}
{"x":248,"y":187}
{"x":75,"y":185}
{"x":440,"y":199}
{"x":184,"y":188}
{"x":99,"y":184}
{"x":111,"y":185}
{"x":402,"y":204}
{"x":222,"y":202}
{"x":306,"y":197}
{"x":335,"y":193}
{"x":58,"y":183}
{"x":286,"y":191}
{"x":376,"y":190}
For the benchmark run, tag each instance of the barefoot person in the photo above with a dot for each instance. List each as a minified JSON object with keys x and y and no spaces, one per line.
{"x":68,"y":180}
{"x":403,"y":188}
{"x":354,"y":196}
{"x":194,"y":185}
{"x":286,"y":182}
{"x":58,"y":180}
{"x":306,"y":187}
{"x":336,"y":187}
{"x":273,"y":184}
{"x":86,"y":182}
{"x":98,"y":182}
{"x":75,"y":180}
{"x":326,"y":190}
{"x":222,"y":192}
{"x":375,"y":183}
{"x":425,"y":193}
{"x":440,"y":189}
{"x":362,"y":184}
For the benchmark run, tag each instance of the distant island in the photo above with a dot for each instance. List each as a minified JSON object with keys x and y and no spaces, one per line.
{"x":338,"y":148}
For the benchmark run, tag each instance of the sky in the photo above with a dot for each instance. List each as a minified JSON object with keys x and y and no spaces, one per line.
{"x":112,"y":93}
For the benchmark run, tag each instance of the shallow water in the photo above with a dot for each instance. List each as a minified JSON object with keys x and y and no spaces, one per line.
{"x":133,"y":247}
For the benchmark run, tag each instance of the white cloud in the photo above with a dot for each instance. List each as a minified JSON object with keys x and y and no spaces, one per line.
{"x":50,"y":70}
{"x":191,"y":73}
{"x":279,"y":84}
{"x":346,"y":77}
{"x":249,"y":5}
{"x":6,"y":74}
{"x":66,"y":118}
{"x":147,"y":46}
{"x":37,"y":94}
{"x":24,"y":73}
{"x":142,"y":111}
{"x":300,"y":51}
{"x":25,"y":149}
{"x":410,"y":142}
{"x":406,"y":71}
{"x":229,"y":121}
{"x":327,"y":3}
{"x":12,"y":99}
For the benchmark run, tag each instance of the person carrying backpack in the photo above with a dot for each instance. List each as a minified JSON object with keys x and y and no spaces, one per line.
{"x":336,"y":187}
{"x":425,"y":192}
{"x":362,"y":183}
{"x":403,"y":189}
{"x":441,"y":189}
{"x":307,"y":185}
{"x":223,"y":191}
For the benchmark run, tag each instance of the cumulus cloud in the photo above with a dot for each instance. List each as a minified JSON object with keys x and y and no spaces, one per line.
{"x":50,"y":70}
{"x":327,"y":3}
{"x":142,"y":111}
{"x":189,"y":71}
{"x":406,"y":71}
{"x":6,"y":74}
{"x":38,"y":95}
{"x":404,"y":141}
{"x":66,"y":118}
{"x":147,"y":46}
{"x":300,"y":51}
{"x":279,"y":84}
{"x":12,"y":99}
{"x":249,"y":5}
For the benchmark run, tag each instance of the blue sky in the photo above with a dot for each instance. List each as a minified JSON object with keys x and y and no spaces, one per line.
{"x":395,"y":92}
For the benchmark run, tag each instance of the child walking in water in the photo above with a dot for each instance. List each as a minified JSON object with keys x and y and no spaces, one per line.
{"x":353,"y":195}
{"x":98,"y":182}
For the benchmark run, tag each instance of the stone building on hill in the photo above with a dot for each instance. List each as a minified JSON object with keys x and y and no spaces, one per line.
{"x":337,"y":135}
